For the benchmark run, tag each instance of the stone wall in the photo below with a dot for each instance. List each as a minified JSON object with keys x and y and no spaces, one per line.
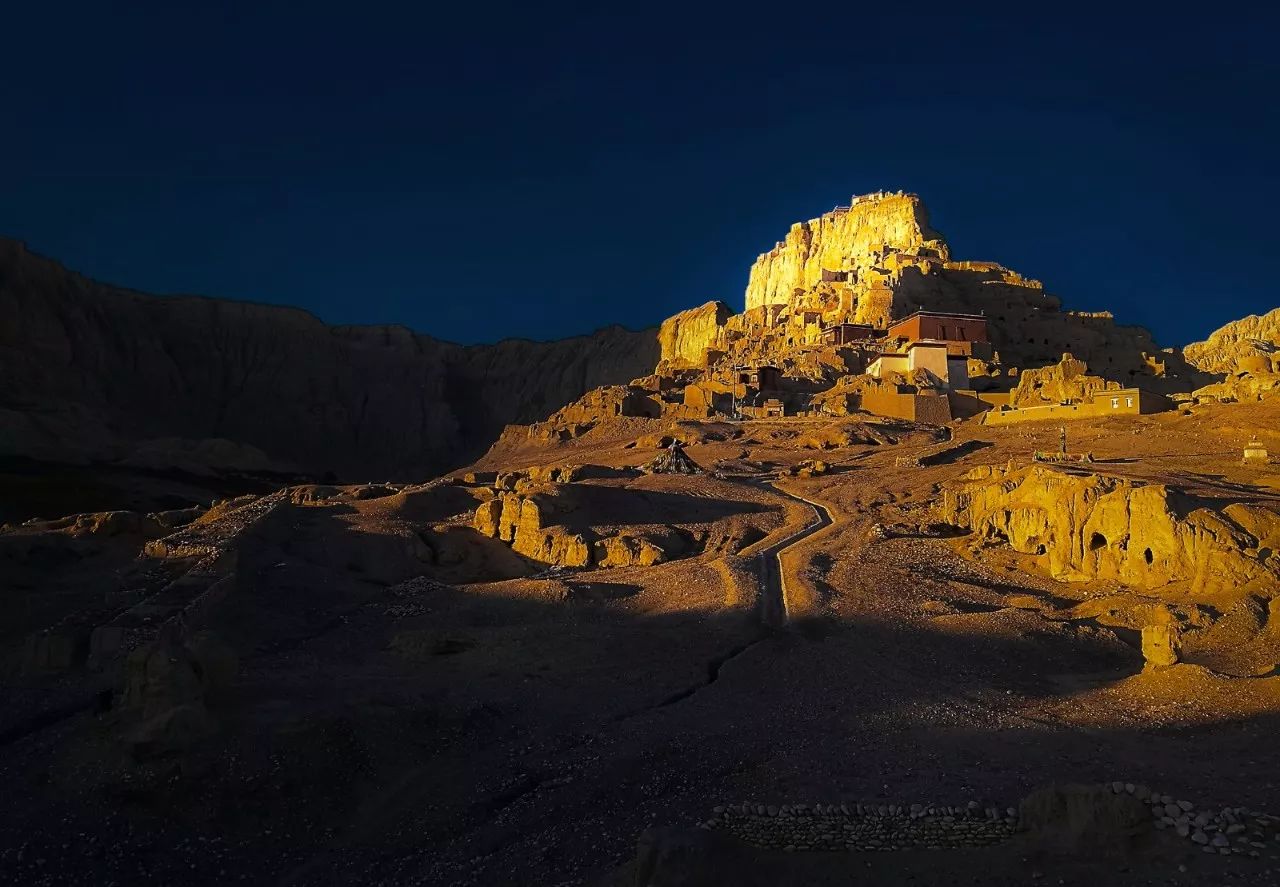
{"x":933,"y":409}
{"x":1110,"y":402}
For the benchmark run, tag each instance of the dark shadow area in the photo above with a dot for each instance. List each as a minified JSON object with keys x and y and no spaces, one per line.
{"x":30,"y":488}
{"x":607,"y":506}
{"x":506,"y":734}
{"x":954,"y":454}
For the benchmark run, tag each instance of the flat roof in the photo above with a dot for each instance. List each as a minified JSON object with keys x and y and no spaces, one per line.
{"x":916,"y":314}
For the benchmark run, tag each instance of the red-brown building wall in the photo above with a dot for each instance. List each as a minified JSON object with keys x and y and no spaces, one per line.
{"x":948,"y":329}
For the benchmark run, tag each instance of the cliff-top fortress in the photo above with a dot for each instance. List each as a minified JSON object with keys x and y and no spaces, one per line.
{"x":878,"y":260}
{"x":846,"y":243}
{"x":864,"y":308}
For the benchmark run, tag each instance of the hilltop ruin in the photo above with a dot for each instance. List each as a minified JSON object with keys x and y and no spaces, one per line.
{"x":864,"y":309}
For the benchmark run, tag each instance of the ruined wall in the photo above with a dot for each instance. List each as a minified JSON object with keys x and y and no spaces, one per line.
{"x":533,"y":522}
{"x":933,"y":409}
{"x":1114,"y":402}
{"x":1051,"y":385}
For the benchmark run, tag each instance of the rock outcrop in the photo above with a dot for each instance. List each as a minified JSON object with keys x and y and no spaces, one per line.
{"x":519,"y":519}
{"x":1249,"y":344}
{"x":820,"y":306}
{"x":850,"y":238}
{"x":1064,"y":382}
{"x":1246,"y":353}
{"x":96,"y":373}
{"x":597,"y":405}
{"x":1091,"y":526}
{"x":532,"y":522}
{"x":686,"y":337}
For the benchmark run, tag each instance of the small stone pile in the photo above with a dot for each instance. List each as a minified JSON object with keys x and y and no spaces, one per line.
{"x":411,"y":597}
{"x":1230,"y":830}
{"x":674,"y":461}
{"x":864,"y":826}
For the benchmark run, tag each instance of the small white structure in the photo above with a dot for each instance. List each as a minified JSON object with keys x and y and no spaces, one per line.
{"x":1256,"y":453}
{"x":931,"y":356}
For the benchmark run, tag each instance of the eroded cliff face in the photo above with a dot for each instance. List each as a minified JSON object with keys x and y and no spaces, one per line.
{"x":96,"y":373}
{"x":1244,"y":358}
{"x":1068,"y":380}
{"x":687,"y":336}
{"x":850,"y":238}
{"x":1250,"y":344}
{"x":1086,"y":527}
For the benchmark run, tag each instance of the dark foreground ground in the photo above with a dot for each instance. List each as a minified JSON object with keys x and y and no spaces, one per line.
{"x":512,"y":733}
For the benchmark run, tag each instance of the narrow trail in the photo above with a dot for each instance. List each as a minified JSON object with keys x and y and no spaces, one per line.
{"x":775,"y":609}
{"x":772,"y":609}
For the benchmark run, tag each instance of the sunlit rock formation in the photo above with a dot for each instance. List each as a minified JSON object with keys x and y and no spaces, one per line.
{"x":687,"y":336}
{"x":1086,"y":527}
{"x":853,"y":272}
{"x":1066,"y":380}
{"x":1246,"y":352}
{"x":1251,"y":343}
{"x":849,"y":240}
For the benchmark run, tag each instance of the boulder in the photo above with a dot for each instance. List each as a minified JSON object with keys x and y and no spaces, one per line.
{"x":638,"y":549}
{"x":554,"y":545}
{"x":1161,"y":645}
{"x":488,"y":517}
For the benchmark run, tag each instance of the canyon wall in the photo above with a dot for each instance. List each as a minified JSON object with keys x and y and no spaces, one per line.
{"x":96,"y":373}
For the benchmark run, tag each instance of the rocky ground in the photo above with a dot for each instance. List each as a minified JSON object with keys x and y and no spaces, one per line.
{"x":414,"y":702}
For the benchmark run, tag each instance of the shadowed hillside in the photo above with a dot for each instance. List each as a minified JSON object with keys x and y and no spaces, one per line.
{"x":99,"y":373}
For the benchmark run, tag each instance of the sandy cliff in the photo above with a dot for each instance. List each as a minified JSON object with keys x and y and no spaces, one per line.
{"x":1251,"y":344}
{"x":91,"y":372}
{"x":1246,"y":353}
{"x":849,"y":239}
{"x":687,"y":335}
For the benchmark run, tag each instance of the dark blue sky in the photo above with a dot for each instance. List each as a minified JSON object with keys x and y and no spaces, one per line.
{"x":541,"y":170}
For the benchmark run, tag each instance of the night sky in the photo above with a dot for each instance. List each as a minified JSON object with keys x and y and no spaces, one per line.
{"x":538,"y":170}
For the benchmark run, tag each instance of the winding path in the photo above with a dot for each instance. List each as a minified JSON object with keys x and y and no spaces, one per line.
{"x":774,"y":609}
